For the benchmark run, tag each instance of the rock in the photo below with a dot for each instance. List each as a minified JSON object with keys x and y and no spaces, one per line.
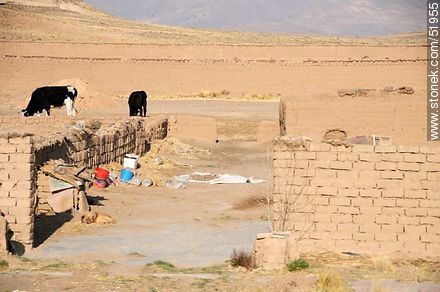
{"x":362,"y":92}
{"x":136,"y":181}
{"x":388,"y":89}
{"x":175,"y":185}
{"x":335,"y":137}
{"x":354,"y":92}
{"x":148,"y":182}
{"x":344,"y":92}
{"x":158,"y":161}
{"x":405,"y":90}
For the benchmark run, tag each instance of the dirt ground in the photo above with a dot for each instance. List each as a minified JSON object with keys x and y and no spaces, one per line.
{"x":208,"y":88}
{"x":237,"y":78}
{"x":179,"y":226}
{"x":181,"y":240}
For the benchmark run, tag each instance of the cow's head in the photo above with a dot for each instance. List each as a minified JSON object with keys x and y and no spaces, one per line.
{"x":72,"y":90}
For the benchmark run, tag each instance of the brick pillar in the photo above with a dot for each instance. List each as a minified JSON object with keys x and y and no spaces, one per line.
{"x":17,"y":184}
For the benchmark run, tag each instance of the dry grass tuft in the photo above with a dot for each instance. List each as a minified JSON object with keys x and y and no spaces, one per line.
{"x":213,"y":94}
{"x":384,"y":265}
{"x":242,"y":258}
{"x":377,"y":287}
{"x":217,"y":95}
{"x":251,"y":202}
{"x":330,"y":282}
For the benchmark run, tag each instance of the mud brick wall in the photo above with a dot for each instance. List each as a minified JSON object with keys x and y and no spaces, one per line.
{"x":17,"y":187}
{"x":364,"y":198}
{"x":22,"y":154}
{"x":85,"y":146}
{"x":92,"y":148}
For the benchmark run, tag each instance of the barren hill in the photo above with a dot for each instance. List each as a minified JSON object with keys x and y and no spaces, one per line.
{"x":342,"y":17}
{"x":76,"y":21}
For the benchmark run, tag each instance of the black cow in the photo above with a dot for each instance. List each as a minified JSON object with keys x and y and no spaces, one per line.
{"x":44,"y":97}
{"x":137,"y":102}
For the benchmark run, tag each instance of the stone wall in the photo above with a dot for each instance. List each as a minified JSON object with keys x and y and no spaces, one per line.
{"x":364,"y":198}
{"x":22,"y":154}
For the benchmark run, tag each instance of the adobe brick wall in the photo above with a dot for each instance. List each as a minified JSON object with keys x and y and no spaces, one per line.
{"x":17,"y":184}
{"x":83,"y":146}
{"x":365,"y":199}
{"x":21,"y":155}
{"x":211,"y":130}
{"x":314,"y":115}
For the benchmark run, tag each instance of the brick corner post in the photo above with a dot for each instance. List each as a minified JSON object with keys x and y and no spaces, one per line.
{"x":17,"y":185}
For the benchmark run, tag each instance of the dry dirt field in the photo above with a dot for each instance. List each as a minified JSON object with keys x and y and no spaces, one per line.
{"x":234,"y":77}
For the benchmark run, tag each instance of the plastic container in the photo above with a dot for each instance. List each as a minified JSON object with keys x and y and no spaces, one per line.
{"x":101,"y":173}
{"x":126,"y":175}
{"x":131,"y":161}
{"x":100,"y":184}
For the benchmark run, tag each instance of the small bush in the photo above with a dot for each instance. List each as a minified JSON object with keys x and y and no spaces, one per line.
{"x":3,"y":264}
{"x":163,"y":265}
{"x":297,"y":265}
{"x":224,"y":92}
{"x":56,"y":266}
{"x":242,"y":259}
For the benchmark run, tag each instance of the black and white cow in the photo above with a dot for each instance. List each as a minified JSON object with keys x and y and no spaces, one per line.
{"x":137,"y":102}
{"x":56,"y":96}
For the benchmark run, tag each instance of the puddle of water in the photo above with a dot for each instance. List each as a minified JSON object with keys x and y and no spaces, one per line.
{"x":184,"y":244}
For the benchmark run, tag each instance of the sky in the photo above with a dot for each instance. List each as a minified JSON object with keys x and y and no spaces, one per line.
{"x":321,"y":17}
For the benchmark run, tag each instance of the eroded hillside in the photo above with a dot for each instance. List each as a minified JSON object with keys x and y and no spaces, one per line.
{"x":75,"y":21}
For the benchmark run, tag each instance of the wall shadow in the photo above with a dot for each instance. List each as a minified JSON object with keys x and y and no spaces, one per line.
{"x":46,"y":225}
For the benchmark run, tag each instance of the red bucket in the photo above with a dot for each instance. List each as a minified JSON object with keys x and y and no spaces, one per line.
{"x":100,"y":184}
{"x":101,"y":173}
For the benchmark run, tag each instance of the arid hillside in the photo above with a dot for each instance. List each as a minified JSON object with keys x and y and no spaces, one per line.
{"x":75,"y":21}
{"x":327,"y":17}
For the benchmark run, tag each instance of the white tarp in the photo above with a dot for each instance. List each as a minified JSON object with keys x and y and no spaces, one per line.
{"x":197,"y":177}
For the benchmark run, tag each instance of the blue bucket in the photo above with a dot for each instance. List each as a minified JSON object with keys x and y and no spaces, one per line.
{"x":126,"y":175}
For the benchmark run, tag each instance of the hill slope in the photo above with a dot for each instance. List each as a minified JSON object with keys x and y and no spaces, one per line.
{"x":75,"y":21}
{"x":342,"y":17}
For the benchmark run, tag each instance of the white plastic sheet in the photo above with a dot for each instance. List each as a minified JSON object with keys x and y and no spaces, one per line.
{"x":219,"y":179}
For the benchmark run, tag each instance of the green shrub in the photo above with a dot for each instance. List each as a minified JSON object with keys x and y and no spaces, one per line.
{"x":163,"y":265}
{"x":4,"y":264}
{"x":297,"y":265}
